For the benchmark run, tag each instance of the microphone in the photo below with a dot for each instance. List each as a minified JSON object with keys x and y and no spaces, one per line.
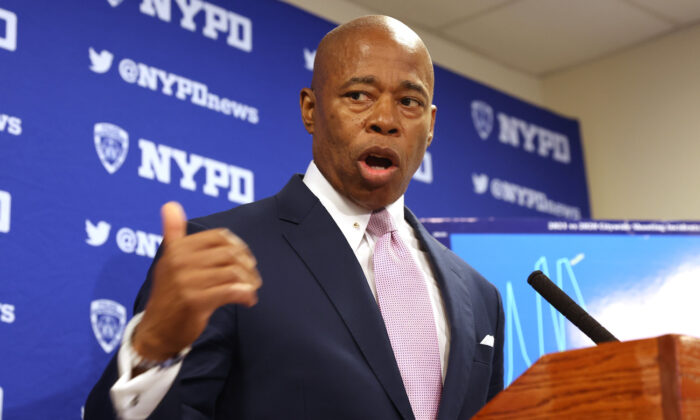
{"x":570,"y":309}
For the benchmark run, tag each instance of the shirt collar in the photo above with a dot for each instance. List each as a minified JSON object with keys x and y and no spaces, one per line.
{"x":350,"y":218}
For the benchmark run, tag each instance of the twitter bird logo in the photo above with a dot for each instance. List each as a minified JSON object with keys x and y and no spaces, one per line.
{"x":100,"y":62}
{"x":481,"y":183}
{"x":97,"y":234}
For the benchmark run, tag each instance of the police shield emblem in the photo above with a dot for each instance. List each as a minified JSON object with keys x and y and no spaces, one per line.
{"x":112,"y":145}
{"x":482,"y":116}
{"x":108,"y":319}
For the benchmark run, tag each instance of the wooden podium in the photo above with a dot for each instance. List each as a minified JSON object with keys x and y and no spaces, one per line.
{"x":656,"y":378}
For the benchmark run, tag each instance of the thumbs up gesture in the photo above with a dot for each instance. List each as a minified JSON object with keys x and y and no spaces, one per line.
{"x":195,"y":275}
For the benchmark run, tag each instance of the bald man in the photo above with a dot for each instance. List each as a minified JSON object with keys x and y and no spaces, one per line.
{"x":363,"y":315}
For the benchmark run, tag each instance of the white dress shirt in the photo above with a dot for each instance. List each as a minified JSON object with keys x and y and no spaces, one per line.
{"x":136,"y":398}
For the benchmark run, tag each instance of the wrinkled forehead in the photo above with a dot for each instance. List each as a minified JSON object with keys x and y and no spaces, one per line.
{"x":363,"y":54}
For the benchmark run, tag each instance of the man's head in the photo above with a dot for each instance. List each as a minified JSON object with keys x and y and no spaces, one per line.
{"x":370,"y":109}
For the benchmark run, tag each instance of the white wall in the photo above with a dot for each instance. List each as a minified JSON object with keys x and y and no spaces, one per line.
{"x":447,"y":54}
{"x":640,"y":117}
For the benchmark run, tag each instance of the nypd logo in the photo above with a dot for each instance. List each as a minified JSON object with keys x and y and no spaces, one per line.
{"x":482,"y":116}
{"x":5,"y":205}
{"x":156,"y":165}
{"x":112,"y":145}
{"x":129,"y":241}
{"x":8,"y":20}
{"x":11,"y":125}
{"x":217,"y":20}
{"x":7,"y":313}
{"x":521,"y":134}
{"x":173,"y":85}
{"x":523,"y":197}
{"x":108,"y":319}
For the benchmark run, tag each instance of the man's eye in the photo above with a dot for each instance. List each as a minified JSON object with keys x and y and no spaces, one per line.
{"x":411,"y":102}
{"x":356,"y":96}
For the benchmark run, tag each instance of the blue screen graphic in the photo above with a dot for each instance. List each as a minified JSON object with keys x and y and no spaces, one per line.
{"x":599,"y":271}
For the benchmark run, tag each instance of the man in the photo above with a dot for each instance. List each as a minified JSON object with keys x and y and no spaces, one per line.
{"x":362,"y":316}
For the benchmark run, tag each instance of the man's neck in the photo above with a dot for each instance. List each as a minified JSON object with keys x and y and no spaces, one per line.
{"x":350,"y":218}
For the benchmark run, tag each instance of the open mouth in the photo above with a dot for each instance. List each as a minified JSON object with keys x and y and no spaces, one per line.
{"x":379,"y":158}
{"x":378,"y":162}
{"x":378,"y":165}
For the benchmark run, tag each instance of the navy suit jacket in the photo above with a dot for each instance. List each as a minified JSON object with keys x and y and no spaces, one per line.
{"x":315,"y":346}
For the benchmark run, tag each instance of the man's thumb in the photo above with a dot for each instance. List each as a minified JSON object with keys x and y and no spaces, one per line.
{"x":174,"y":221}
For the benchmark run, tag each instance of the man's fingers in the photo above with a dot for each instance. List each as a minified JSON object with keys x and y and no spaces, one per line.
{"x":174,"y":221}
{"x":231,"y":274}
{"x":211,"y":238}
{"x":220,"y":256}
{"x":223,"y":294}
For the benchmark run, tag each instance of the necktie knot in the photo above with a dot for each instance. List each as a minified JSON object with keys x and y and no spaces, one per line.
{"x":380,"y":223}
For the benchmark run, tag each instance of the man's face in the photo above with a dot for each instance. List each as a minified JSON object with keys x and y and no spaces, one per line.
{"x":371,"y":116}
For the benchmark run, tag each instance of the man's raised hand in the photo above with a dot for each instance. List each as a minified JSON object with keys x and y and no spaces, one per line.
{"x":194,"y":276}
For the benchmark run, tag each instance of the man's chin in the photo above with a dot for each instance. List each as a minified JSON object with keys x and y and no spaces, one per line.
{"x":375,"y":198}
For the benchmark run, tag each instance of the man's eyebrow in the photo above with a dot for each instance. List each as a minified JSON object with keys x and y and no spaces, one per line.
{"x":407,"y":84}
{"x":371,"y":80}
{"x":367,"y":80}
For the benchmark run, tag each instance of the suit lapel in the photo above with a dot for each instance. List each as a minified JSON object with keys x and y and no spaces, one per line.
{"x":458,"y":307}
{"x":315,"y":237}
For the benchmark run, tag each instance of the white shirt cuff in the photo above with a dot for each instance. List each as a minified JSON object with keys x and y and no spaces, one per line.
{"x":136,"y":398}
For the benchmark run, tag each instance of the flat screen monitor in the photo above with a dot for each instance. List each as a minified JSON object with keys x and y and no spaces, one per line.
{"x":637,"y":278}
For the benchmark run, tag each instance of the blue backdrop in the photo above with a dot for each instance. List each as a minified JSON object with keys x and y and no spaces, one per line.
{"x":109,"y":108}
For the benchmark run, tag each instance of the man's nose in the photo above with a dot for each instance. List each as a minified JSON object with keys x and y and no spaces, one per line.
{"x":383,"y":119}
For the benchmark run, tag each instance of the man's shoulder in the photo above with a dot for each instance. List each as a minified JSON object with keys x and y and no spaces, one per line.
{"x":245,"y":213}
{"x":254,"y":220}
{"x":463,"y":269}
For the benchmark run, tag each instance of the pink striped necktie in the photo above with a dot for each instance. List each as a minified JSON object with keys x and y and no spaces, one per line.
{"x":403,"y":300}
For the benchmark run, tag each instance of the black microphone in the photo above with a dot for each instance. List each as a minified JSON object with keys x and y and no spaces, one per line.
{"x":570,"y":309}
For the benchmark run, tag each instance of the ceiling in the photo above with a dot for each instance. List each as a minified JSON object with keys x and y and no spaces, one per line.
{"x":540,"y":37}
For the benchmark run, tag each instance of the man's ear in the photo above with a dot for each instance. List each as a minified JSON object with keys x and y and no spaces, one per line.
{"x":433,"y":111}
{"x":307,"y":103}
